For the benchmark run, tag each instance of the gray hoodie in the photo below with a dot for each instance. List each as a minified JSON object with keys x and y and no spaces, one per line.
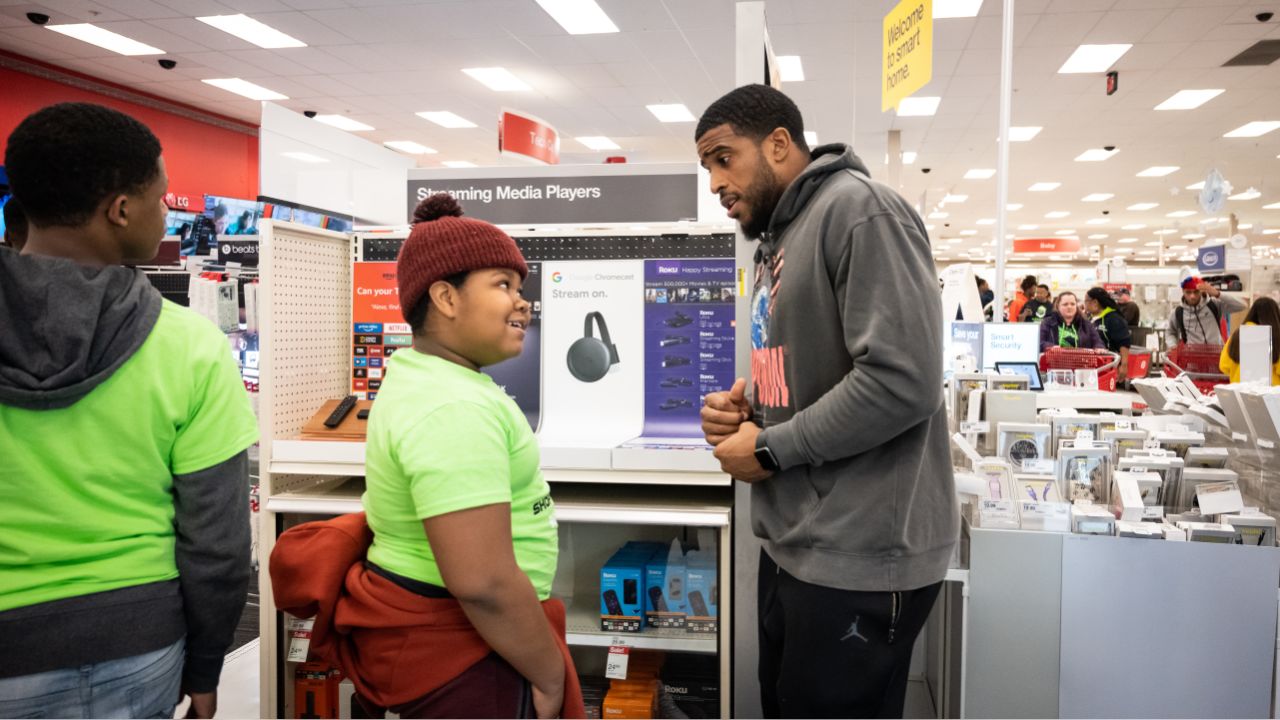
{"x":65,"y":329}
{"x":1201,"y":325}
{"x":847,"y":383}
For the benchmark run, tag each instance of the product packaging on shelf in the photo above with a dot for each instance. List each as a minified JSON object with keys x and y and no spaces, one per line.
{"x":621,"y":580}
{"x":664,"y":591}
{"x":1084,"y":473}
{"x":1252,"y":528}
{"x":1206,"y":457}
{"x":1020,"y":442}
{"x":702,"y":592}
{"x":315,"y":691}
{"x":1209,"y":532}
{"x":1089,"y":519}
{"x":1126,"y":496}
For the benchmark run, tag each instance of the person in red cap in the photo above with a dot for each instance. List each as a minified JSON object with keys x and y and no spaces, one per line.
{"x":1198,"y":319}
{"x":455,"y":499}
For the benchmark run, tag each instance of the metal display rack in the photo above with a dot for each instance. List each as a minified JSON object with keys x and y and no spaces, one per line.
{"x":306,"y":326}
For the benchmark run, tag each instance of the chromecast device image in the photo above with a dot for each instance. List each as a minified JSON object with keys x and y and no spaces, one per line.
{"x":590,"y":358}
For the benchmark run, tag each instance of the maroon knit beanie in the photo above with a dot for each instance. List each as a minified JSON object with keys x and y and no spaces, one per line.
{"x":443,"y":243}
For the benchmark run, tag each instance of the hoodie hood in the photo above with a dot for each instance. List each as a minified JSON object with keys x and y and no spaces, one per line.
{"x":826,"y":160}
{"x":67,"y":327}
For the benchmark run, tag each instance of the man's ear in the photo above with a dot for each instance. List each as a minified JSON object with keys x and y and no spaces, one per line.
{"x":779,"y":145}
{"x":444,"y":297}
{"x":116,"y":208}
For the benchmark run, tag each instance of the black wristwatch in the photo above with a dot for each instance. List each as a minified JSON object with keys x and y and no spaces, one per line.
{"x":765,"y":456}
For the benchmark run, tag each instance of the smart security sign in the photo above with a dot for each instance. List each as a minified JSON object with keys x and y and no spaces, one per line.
{"x":908,"y":51}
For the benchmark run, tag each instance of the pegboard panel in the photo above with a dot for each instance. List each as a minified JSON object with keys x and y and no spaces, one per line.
{"x":306,"y":334}
{"x":296,"y":483}
{"x":587,"y":247}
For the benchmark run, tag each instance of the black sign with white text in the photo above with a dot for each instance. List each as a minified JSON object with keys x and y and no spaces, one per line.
{"x":244,"y":252}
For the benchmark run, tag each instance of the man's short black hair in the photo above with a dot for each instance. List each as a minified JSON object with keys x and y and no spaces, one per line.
{"x":1043,"y":287}
{"x":754,"y":111}
{"x":1028,"y":282}
{"x":63,"y":160}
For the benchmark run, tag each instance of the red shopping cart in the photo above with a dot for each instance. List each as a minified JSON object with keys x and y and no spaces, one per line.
{"x":1104,"y":361}
{"x":1139,"y":362}
{"x":1197,"y":362}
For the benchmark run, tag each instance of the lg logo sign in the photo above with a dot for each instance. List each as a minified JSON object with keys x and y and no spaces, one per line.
{"x":180,"y":202}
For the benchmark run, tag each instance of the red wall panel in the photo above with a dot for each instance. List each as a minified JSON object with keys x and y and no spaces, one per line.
{"x":200,"y":157}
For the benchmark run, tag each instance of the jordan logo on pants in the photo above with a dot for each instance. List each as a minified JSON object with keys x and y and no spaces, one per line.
{"x":853,"y":631}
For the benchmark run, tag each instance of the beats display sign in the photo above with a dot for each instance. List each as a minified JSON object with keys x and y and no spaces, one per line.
{"x":244,"y":252}
{"x":526,"y":136}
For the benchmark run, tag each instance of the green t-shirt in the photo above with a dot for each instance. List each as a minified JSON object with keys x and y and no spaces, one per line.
{"x":86,"y":491}
{"x":441,"y":439}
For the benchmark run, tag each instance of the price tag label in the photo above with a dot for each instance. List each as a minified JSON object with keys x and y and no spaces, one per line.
{"x":980,"y":426}
{"x":616,"y":666}
{"x":1084,"y":439}
{"x":1124,"y":425}
{"x":299,"y":639}
{"x":1038,"y":466}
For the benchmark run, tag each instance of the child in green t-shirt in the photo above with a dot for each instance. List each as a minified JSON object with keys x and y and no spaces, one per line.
{"x":455,"y":499}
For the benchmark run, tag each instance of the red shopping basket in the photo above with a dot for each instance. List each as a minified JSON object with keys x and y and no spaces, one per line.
{"x":1105,"y":362}
{"x":1198,"y":362}
{"x":1139,"y":362}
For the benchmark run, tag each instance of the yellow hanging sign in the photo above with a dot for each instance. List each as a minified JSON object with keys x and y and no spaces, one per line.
{"x":908,"y":51}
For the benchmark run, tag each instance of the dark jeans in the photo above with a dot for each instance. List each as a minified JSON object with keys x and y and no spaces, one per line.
{"x":489,"y":689}
{"x":835,"y":653}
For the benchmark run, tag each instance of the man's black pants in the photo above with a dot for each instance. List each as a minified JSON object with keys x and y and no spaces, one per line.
{"x":835,"y":653}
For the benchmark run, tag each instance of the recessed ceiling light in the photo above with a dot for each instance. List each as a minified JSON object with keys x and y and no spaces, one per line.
{"x":1100,"y":236}
{"x":954,"y":199}
{"x":409,"y":146}
{"x":245,"y":88}
{"x":1097,"y":197}
{"x":1023,"y":133}
{"x":498,"y":79}
{"x":458,"y":164}
{"x":1272,"y":206}
{"x":1028,"y":227}
{"x":1128,"y":241}
{"x":943,"y":9}
{"x":790,"y":68}
{"x":1099,"y":221}
{"x":1166,"y":231}
{"x":928,"y":227}
{"x":1143,"y":206}
{"x":671,"y":113}
{"x":1095,"y":155}
{"x":1057,"y":214}
{"x":1133,"y":226}
{"x":1153,"y":243}
{"x":1064,"y":232}
{"x":968,"y":232}
{"x":446,"y":119}
{"x":1044,"y":186}
{"x":1245,"y":226}
{"x":1094,"y":58}
{"x":1256,"y":128}
{"x":939,"y":215}
{"x":1013,"y":206}
{"x":1250,"y":194}
{"x":598,"y":142}
{"x":579,"y":17}
{"x":1196,"y":186}
{"x":305,"y":157}
{"x":980,"y":173}
{"x":1188,"y":99}
{"x":342,"y":122}
{"x":105,"y":39}
{"x":1271,"y":231}
{"x":908,"y":157}
{"x":810,"y":139}
{"x":1159,"y":171}
{"x":1180,"y":213}
{"x":1193,"y":236}
{"x":986,"y":221}
{"x":252,"y":31}
{"x":918,"y":106}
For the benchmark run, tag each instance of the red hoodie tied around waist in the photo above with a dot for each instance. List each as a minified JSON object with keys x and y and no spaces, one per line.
{"x":394,"y":645}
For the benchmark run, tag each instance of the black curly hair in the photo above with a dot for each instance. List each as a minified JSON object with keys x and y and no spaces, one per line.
{"x":754,"y":111}
{"x":64,"y":159}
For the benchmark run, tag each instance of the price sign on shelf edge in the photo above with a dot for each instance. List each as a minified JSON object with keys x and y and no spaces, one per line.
{"x":616,"y":665}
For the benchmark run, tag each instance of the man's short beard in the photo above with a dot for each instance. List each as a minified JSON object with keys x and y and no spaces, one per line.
{"x":762,"y":196}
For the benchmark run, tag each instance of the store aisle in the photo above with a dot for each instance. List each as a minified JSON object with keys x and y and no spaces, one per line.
{"x":239,"y":687}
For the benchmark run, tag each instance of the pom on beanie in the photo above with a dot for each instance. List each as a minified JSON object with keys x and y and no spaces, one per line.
{"x":443,"y":243}
{"x":1191,"y":283}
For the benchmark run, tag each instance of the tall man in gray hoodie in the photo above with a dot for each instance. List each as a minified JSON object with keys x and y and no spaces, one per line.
{"x":843,"y":435}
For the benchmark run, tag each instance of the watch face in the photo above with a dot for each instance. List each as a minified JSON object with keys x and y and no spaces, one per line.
{"x":1023,"y":450}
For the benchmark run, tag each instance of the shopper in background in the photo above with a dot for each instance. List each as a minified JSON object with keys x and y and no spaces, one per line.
{"x":449,"y":614}
{"x":124,"y":426}
{"x":1021,"y":298}
{"x":1067,"y":326}
{"x":1111,"y":327}
{"x":1040,"y":305}
{"x":1128,"y":309}
{"x":844,"y":438}
{"x":1198,"y":319}
{"x":15,"y":224}
{"x":1264,"y":312}
{"x":988,"y":298}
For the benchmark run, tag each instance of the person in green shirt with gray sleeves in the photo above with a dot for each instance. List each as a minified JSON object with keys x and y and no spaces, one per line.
{"x":124,"y":429}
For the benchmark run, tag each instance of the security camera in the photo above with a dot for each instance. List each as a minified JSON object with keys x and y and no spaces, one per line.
{"x":1106,"y":212}
{"x":1109,"y":148}
{"x":926,"y":170}
{"x":1262,"y":16}
{"x":309,"y":113}
{"x":38,"y":18}
{"x":167,"y":64}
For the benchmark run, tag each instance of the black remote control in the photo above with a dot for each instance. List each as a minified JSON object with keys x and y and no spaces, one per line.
{"x":344,"y":407}
{"x":362,"y":414}
{"x":656,"y":601}
{"x":611,"y":603}
{"x":699,"y":605}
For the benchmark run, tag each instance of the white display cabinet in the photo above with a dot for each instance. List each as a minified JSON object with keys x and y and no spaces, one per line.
{"x":306,"y":335}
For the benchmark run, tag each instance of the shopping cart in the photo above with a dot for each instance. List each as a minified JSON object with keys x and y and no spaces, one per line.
{"x":1104,"y":361}
{"x":1198,"y":362}
{"x":1139,"y":362}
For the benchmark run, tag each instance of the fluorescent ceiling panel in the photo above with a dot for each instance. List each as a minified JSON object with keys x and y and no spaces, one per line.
{"x":986,"y":221}
{"x":1094,"y":58}
{"x":1143,"y":206}
{"x":1250,"y":194}
{"x":918,"y":106}
{"x":1097,"y":197}
{"x":954,"y":199}
{"x":671,"y":113}
{"x":944,"y":9}
{"x":1159,"y":171}
{"x":790,"y":68}
{"x":810,"y":138}
{"x":498,"y":79}
{"x":980,"y":174}
{"x":245,"y":88}
{"x":446,"y":119}
{"x":1133,"y":226}
{"x":342,"y":122}
{"x":1056,"y":214}
{"x":1044,"y":186}
{"x":1188,"y":99}
{"x":409,"y":146}
{"x":1095,"y":155}
{"x":252,"y":31}
{"x":105,"y":39}
{"x":579,"y":17}
{"x":908,"y":157}
{"x":1256,"y":128}
{"x":598,"y":142}
{"x":1128,"y":240}
{"x":1181,"y":213}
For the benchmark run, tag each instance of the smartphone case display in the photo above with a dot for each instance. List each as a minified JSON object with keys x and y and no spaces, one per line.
{"x":1252,"y":528}
{"x":1167,"y":469}
{"x":1019,"y":442}
{"x":313,"y":343}
{"x":1193,"y":478}
{"x":1037,"y":488}
{"x":963,"y":385}
{"x":1068,"y":427}
{"x":1124,"y":441}
{"x":1085,"y":474}
{"x":1206,"y":457}
{"x":1006,"y":406}
{"x":1179,"y":442}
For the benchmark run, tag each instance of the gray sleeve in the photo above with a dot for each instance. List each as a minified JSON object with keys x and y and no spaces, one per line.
{"x":212,"y":526}
{"x":1230,"y":304}
{"x":893,"y":333}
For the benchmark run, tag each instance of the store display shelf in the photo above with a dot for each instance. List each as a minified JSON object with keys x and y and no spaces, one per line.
{"x":582,"y":628}
{"x":574,"y":504}
{"x":1087,"y":400}
{"x":317,"y":457}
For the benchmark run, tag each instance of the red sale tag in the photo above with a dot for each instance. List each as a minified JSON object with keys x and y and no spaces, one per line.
{"x":616,"y":666}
